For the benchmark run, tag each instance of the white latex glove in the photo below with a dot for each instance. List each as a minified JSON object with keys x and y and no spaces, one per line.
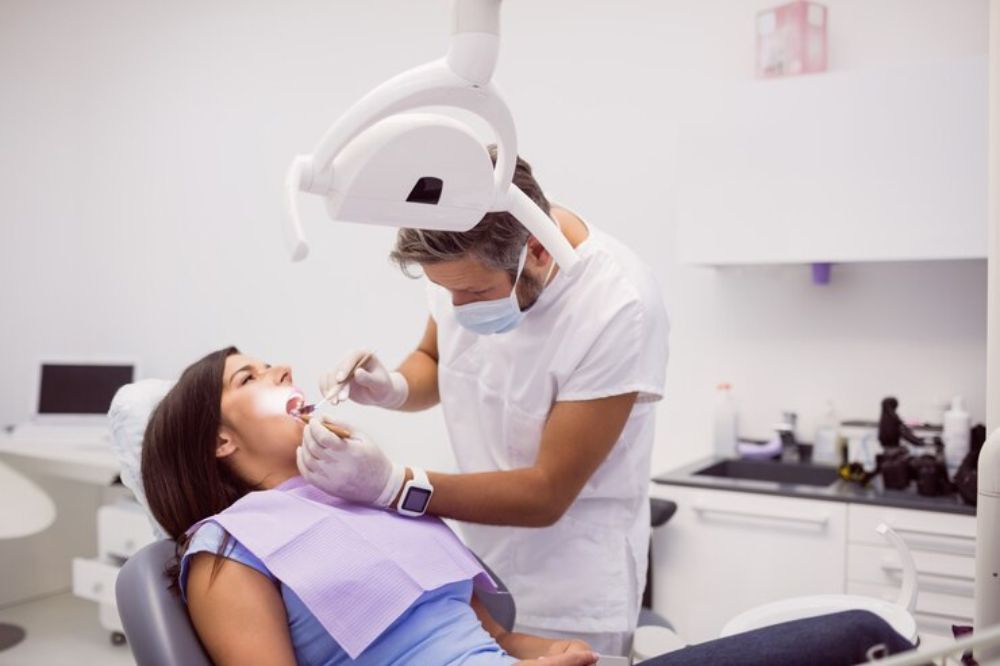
{"x":353,"y":469}
{"x":372,"y":383}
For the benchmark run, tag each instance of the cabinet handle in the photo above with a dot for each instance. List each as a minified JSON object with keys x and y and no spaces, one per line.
{"x":946,"y":535}
{"x":966,"y":548}
{"x":892,"y":568}
{"x":819,"y":520}
{"x":943,"y":616}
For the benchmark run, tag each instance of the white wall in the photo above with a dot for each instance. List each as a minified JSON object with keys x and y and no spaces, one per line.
{"x":144,"y":148}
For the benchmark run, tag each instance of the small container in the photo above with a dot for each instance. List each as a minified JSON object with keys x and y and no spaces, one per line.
{"x":791,"y":39}
{"x":956,"y":434}
{"x":725,"y":429}
{"x":825,"y":441}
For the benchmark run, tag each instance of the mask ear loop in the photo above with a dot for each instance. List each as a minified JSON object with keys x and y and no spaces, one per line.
{"x":524,"y":258}
{"x":520,"y":271}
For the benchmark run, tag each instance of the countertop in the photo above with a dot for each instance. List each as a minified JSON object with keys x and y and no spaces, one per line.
{"x":839,"y":491}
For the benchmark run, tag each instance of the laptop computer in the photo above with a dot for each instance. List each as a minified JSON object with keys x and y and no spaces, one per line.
{"x":73,"y":399}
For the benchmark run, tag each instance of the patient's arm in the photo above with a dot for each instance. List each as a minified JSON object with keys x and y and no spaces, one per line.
{"x":526,"y":646}
{"x":238,"y":614}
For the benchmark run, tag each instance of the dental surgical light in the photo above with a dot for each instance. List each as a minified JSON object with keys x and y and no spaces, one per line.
{"x":386,"y":164}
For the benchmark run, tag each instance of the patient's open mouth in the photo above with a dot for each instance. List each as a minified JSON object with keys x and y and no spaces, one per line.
{"x":294,"y":405}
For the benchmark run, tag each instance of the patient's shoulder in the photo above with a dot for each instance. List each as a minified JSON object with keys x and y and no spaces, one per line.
{"x":207,"y":544}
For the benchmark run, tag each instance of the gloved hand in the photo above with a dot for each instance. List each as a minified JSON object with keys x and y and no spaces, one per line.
{"x":353,"y":469}
{"x":372,"y":383}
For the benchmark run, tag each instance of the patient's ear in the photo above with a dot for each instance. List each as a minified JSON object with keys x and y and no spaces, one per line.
{"x":224,"y":444}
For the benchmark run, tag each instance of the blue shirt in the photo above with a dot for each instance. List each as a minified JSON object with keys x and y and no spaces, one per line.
{"x":439,"y":628}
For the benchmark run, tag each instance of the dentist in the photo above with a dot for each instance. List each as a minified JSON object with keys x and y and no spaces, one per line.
{"x":547,"y":380}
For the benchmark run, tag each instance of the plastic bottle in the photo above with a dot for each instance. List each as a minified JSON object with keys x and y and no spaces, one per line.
{"x":956,"y":435}
{"x":725,"y":428}
{"x":825,"y":441}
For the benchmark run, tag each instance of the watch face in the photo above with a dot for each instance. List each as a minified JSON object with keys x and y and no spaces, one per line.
{"x":416,"y":499}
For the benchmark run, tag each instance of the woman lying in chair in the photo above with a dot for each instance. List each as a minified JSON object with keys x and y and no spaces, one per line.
{"x":275,"y":571}
{"x":293,"y":575}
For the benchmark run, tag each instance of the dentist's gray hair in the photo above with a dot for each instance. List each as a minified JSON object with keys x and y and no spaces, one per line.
{"x":496,"y":241}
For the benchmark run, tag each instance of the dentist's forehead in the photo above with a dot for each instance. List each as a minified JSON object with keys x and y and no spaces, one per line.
{"x":461,"y":274}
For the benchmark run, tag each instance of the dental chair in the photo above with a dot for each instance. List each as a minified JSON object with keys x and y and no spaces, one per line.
{"x":157,"y":625}
{"x":160,"y":633}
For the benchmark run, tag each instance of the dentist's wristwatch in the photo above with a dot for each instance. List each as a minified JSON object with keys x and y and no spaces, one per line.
{"x":416,"y":495}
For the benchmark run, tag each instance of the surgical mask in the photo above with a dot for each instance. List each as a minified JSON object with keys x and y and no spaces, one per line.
{"x":497,"y":316}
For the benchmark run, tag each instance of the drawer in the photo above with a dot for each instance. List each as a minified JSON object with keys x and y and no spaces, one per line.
{"x":935,"y":612}
{"x":122,"y":529}
{"x":921,"y":530}
{"x":95,"y":579}
{"x":936,"y":572}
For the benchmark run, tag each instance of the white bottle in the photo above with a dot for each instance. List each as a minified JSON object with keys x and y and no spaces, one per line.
{"x":825,"y":442}
{"x":725,"y":429}
{"x":956,"y":434}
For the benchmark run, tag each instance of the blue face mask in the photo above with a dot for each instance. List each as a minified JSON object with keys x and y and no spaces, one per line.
{"x":496,"y":316}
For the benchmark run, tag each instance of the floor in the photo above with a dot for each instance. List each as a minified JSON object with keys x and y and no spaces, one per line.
{"x":62,"y":631}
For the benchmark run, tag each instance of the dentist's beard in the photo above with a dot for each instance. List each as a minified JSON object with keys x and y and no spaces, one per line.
{"x":529,"y":288}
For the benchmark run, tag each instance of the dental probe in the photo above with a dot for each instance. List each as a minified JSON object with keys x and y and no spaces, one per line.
{"x":309,"y":409}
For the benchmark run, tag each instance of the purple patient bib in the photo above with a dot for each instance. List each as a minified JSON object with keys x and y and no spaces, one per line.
{"x":356,"y":568}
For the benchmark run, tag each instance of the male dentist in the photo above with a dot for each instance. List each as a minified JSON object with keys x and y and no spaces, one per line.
{"x":547,"y":379}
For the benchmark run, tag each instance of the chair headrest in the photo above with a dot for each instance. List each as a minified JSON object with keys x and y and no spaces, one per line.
{"x":130,"y":411}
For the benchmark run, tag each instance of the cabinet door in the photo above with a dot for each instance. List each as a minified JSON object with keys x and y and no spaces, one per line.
{"x":725,"y":552}
{"x":943,"y":550}
{"x":866,"y":165}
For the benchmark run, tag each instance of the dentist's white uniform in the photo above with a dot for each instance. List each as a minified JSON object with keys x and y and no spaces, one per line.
{"x":596,"y":331}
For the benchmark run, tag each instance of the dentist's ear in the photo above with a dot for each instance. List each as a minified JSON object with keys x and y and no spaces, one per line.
{"x":538,"y":252}
{"x":224,"y":444}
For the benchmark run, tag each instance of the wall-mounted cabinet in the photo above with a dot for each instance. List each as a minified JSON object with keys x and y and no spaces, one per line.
{"x":867,"y":165}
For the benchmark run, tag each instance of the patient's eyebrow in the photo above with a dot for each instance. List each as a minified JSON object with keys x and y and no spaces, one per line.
{"x":246,"y":368}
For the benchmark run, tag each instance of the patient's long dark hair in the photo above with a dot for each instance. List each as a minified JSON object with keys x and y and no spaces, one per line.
{"x":184,"y":480}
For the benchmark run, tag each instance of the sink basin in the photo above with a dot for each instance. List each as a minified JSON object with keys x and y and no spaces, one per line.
{"x":777,"y":472}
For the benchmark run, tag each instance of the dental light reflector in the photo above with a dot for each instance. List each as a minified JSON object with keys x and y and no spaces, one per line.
{"x":384,"y":164}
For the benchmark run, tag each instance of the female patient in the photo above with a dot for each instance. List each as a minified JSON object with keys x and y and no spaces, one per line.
{"x":225,"y":431}
{"x":215,"y":438}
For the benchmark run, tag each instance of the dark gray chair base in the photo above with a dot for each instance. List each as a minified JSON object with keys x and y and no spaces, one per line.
{"x":10,"y":635}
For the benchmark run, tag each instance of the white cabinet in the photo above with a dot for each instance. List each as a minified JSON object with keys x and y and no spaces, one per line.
{"x":122,"y":529}
{"x":725,"y":552}
{"x":943,"y":549}
{"x":867,"y":165}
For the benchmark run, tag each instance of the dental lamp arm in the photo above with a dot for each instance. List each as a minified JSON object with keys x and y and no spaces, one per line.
{"x":987,"y":596}
{"x":475,"y":39}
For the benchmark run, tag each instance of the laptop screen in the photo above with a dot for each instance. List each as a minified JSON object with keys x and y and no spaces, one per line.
{"x":80,"y":389}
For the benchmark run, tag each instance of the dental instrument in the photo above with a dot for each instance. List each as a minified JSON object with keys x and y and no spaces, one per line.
{"x":330,"y":395}
{"x":382,"y":164}
{"x":342,"y":433}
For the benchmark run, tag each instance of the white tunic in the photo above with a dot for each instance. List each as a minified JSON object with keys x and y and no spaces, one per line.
{"x":599,"y":330}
